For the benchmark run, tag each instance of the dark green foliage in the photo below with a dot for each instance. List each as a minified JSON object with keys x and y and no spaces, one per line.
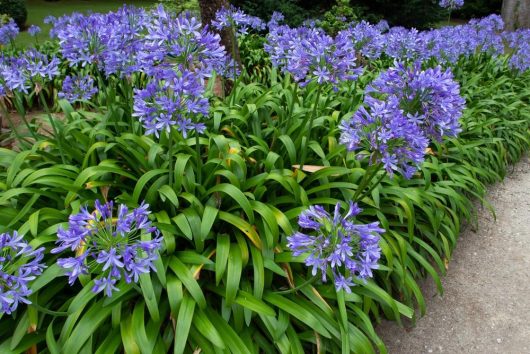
{"x":420,"y":14}
{"x":16,"y":9}
{"x":295,"y":11}
{"x":479,"y":8}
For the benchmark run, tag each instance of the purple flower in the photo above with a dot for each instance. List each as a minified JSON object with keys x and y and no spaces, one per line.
{"x":451,"y":4}
{"x":309,"y":54}
{"x":109,"y":248}
{"x":381,"y":128}
{"x":430,"y":97}
{"x":78,"y":88}
{"x":337,"y":244}
{"x":19,"y":265}
{"x":170,"y":100}
{"x":237,"y":19}
{"x":181,"y":42}
{"x":368,"y":39}
{"x":34,"y":30}
{"x":519,"y":43}
{"x":8,"y":32}
{"x":27,"y":71}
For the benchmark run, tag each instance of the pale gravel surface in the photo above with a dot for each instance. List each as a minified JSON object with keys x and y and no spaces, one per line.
{"x":486,"y":304}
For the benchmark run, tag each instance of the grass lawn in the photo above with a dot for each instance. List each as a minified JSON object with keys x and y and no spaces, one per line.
{"x":39,"y":9}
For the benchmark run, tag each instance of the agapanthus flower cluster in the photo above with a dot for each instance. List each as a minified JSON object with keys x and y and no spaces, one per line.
{"x":11,"y":78}
{"x":19,"y":265}
{"x":381,"y":129}
{"x":309,"y":54}
{"x":124,"y":40}
{"x":233,"y":17}
{"x":78,"y":88}
{"x":181,"y":42}
{"x":519,"y":43}
{"x":34,"y":30}
{"x":403,"y":43}
{"x":8,"y":32}
{"x":39,"y":66}
{"x":31,"y":70}
{"x":451,"y":4}
{"x":276,"y":19}
{"x":337,"y":245}
{"x":172,"y":99}
{"x":431,"y":98}
{"x":445,"y":44}
{"x":368,"y":39}
{"x":82,"y":38}
{"x":109,"y":247}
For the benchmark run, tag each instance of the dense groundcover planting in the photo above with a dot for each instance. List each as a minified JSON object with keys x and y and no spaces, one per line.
{"x":289,"y":215}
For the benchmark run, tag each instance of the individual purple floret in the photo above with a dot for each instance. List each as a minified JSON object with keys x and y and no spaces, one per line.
{"x":109,"y":247}
{"x":337,"y":244}
{"x":237,"y":19}
{"x":392,"y":139}
{"x":78,"y":88}
{"x":451,"y":4}
{"x":19,"y":265}
{"x":34,"y":30}
{"x":171,"y":99}
{"x":431,"y":98}
{"x":8,"y":32}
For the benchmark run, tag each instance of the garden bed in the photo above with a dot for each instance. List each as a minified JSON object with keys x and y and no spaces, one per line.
{"x":161,"y":217}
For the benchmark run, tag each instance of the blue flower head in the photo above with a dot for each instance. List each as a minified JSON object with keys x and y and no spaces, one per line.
{"x":107,"y":247}
{"x":337,"y":245}
{"x":19,"y":265}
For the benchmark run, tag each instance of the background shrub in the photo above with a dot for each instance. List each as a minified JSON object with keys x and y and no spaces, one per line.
{"x":16,"y":9}
{"x":479,"y":8}
{"x":420,"y":14}
{"x":295,"y":11}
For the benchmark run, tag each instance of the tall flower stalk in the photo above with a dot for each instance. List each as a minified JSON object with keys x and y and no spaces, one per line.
{"x":310,"y":55}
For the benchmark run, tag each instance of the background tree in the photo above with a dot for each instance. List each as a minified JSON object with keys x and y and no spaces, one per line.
{"x":516,"y":14}
{"x":208,"y":10}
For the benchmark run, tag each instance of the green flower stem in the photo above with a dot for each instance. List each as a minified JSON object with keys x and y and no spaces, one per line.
{"x":48,"y":312}
{"x":236,"y":78}
{"x":305,"y":139}
{"x":19,"y":138}
{"x":371,"y":171}
{"x":345,"y":336}
{"x":298,"y":287}
{"x":130,"y":99}
{"x":54,"y":127}
{"x":170,"y":157}
{"x":374,"y":185}
{"x":291,"y":109}
{"x":19,"y":105}
{"x":199,"y":159}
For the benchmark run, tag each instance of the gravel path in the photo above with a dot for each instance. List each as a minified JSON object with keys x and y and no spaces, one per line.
{"x":486,"y":304}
